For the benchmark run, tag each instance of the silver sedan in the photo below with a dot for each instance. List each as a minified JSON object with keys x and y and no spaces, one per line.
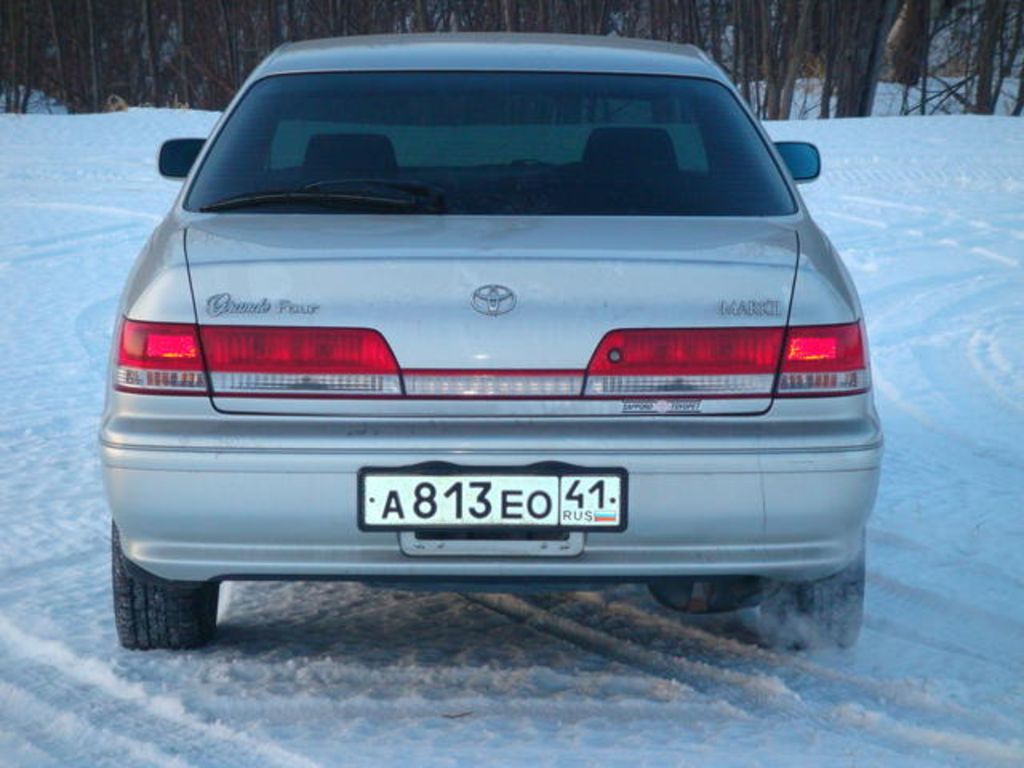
{"x":490,"y":312}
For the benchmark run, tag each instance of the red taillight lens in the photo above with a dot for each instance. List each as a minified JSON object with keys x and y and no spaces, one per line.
{"x":697,"y":362}
{"x":159,"y":345}
{"x":730,"y":362}
{"x":292,"y":350}
{"x":824,"y":360}
{"x":825,"y":347}
{"x":159,"y":357}
{"x":254,"y":360}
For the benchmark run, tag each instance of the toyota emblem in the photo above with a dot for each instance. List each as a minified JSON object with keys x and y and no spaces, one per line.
{"x":493,"y":300}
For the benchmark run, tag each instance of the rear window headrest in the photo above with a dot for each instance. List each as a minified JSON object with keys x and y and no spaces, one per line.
{"x":629,"y":150}
{"x":349,"y":155}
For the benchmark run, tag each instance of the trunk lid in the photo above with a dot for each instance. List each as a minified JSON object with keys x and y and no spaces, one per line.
{"x":418,"y":279}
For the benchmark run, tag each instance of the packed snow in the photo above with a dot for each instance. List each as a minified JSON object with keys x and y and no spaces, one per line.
{"x":929,"y":216}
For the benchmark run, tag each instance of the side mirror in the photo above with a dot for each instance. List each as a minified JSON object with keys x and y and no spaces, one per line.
{"x":177,"y":157}
{"x":801,"y":158}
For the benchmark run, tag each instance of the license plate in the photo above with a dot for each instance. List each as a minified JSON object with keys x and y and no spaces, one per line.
{"x":573,"y":500}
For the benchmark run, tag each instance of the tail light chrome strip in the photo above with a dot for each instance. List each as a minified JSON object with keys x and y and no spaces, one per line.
{"x":277,"y":384}
{"x":482,"y":383}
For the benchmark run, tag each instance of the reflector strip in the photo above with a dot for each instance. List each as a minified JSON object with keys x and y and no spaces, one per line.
{"x":752,"y":385}
{"x":512,"y":384}
{"x":825,"y":383}
{"x":310,"y":384}
{"x":160,"y":381}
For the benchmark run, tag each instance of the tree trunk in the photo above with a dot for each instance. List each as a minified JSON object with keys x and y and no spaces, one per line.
{"x":1019,"y":106}
{"x":183,"y":75}
{"x":991,"y":27}
{"x":94,"y":65}
{"x":26,"y":79}
{"x":908,"y":41}
{"x":795,"y":60}
{"x":863,"y":38}
{"x":715,"y":30}
{"x":422,"y":19}
{"x":509,"y":12}
{"x":274,"y":35}
{"x":58,"y":52}
{"x":150,"y":53}
{"x":234,"y":69}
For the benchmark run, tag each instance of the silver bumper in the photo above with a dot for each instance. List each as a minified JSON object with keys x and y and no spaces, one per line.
{"x":199,"y":495}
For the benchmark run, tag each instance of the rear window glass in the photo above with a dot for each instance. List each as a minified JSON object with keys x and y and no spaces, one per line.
{"x":502,"y":143}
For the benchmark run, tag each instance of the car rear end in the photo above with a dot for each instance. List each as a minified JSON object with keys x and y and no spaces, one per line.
{"x":586,"y":369}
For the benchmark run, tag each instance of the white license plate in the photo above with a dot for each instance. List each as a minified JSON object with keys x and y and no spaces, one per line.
{"x":572,"y":501}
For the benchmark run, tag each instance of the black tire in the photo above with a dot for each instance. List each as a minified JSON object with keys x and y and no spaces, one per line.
{"x":153,"y":613}
{"x":813,"y":614}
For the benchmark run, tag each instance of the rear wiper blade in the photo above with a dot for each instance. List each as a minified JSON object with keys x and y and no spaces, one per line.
{"x":349,"y":200}
{"x":429,"y":196}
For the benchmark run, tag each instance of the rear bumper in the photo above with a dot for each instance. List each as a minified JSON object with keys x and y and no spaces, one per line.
{"x":198,"y":495}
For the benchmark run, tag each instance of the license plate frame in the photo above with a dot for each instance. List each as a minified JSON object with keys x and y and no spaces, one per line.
{"x":558,"y":470}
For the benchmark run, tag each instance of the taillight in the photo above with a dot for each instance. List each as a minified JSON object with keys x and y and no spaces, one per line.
{"x":824,"y":360}
{"x":325,"y":362}
{"x":159,"y":358}
{"x":688,"y":362}
{"x":259,"y":361}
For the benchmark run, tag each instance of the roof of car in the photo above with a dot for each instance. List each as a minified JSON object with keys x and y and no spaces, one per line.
{"x":495,"y":52}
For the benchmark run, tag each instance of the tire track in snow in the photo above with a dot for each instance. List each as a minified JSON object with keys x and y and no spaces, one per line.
{"x":886,"y":387}
{"x":889,"y":538}
{"x":42,"y":248}
{"x":730,"y":649}
{"x":948,"y":215}
{"x":985,"y":356}
{"x":94,"y":327}
{"x":126,"y":701}
{"x":761,"y":689}
{"x":976,"y":748}
{"x":108,"y":210}
{"x":887,"y":626}
{"x":71,"y":740}
{"x":944,"y":605}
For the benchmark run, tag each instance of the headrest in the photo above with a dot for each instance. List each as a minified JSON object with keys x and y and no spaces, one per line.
{"x":350,"y":155}
{"x":629,"y":151}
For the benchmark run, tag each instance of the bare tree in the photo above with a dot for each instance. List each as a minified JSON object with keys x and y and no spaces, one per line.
{"x":94,"y":64}
{"x":197,"y":52}
{"x":991,"y":25}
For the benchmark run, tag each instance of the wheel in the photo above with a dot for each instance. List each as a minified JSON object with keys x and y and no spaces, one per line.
{"x":823,"y":613}
{"x":151,"y":612}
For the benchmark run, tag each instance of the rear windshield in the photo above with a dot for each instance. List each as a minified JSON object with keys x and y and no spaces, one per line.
{"x":502,"y":143}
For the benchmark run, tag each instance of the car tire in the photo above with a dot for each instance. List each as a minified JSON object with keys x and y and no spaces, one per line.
{"x":813,"y":614}
{"x":153,"y":613}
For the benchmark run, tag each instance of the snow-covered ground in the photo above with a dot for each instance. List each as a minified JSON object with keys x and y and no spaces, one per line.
{"x":929,"y":214}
